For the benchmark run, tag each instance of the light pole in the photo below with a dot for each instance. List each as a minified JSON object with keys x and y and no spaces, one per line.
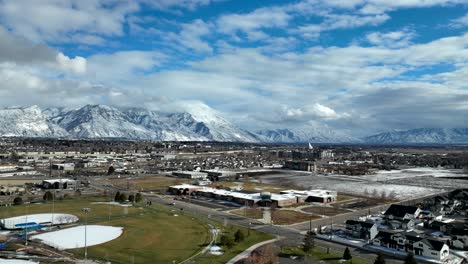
{"x":53,"y":210}
{"x":86,"y":211}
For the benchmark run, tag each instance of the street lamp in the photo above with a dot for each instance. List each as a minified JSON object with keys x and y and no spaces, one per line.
{"x":86,"y":211}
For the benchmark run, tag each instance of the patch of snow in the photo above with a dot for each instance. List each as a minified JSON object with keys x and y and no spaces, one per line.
{"x":17,"y":261}
{"x":215,"y":250}
{"x":75,"y":237}
{"x":112,"y":203}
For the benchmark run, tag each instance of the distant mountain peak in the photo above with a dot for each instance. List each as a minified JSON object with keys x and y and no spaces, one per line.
{"x":421,"y":136}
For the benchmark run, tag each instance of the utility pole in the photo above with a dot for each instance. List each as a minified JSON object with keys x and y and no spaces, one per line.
{"x":86,"y":211}
{"x":310,"y":224}
{"x":110,"y":209}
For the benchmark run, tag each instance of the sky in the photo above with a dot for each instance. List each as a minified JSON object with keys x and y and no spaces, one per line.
{"x":357,"y":66}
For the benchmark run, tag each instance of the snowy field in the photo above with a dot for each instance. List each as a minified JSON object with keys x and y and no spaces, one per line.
{"x":112,"y":203}
{"x":42,"y":219}
{"x":75,"y":237}
{"x":16,"y":261}
{"x":406,"y":183}
{"x":413,"y":173}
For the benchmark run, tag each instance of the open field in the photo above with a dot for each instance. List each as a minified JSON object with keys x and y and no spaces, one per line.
{"x":249,"y":186}
{"x":157,"y":182}
{"x":251,"y":238}
{"x":358,"y":204}
{"x":151,"y":235}
{"x":157,"y":234}
{"x":325,"y":210}
{"x":17,"y":181}
{"x":279,"y":217}
{"x":289,"y":217}
{"x":403,"y":184}
{"x":320,"y":255}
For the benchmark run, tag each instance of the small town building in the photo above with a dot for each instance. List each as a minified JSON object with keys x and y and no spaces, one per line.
{"x":190,"y":174}
{"x":59,"y":184}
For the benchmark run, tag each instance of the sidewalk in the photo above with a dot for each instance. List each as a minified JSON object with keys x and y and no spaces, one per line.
{"x":248,"y":251}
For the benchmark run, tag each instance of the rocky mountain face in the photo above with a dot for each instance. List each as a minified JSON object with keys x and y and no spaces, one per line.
{"x":306,"y":134}
{"x":28,"y":122}
{"x":197,"y":123}
{"x":101,"y":121}
{"x":421,"y":136}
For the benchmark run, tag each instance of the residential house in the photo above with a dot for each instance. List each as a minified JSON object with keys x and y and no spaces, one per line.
{"x":361,"y":229}
{"x":401,"y":212}
{"x":412,"y":242}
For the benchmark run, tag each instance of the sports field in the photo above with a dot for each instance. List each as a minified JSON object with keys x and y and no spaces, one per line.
{"x":151,"y":235}
{"x":156,"y":234}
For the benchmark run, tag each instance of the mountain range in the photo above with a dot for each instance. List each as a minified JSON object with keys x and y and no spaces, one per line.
{"x":199,"y":123}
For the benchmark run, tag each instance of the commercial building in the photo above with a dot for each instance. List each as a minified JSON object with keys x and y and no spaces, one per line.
{"x":190,"y":174}
{"x":64,"y":166}
{"x":282,"y":199}
{"x":59,"y":184}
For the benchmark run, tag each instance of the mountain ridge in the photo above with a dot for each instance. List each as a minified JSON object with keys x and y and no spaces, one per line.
{"x":199,"y":123}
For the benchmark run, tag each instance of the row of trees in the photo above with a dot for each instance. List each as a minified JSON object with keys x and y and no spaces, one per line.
{"x":122,"y":197}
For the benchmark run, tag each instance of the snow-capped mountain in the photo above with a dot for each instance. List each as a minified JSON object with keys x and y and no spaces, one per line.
{"x":421,"y":135}
{"x":197,"y":122}
{"x":313,"y":134}
{"x":27,"y":122}
{"x":220,"y":129}
{"x":101,"y":121}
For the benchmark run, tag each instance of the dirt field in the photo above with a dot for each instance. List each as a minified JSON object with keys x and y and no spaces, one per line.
{"x":159,"y":182}
{"x":279,"y":217}
{"x":323,"y":210}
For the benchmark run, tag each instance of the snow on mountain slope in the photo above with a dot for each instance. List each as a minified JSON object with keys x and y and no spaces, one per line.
{"x":100,"y":121}
{"x":27,"y":122}
{"x":421,"y":135}
{"x":199,"y":122}
{"x":309,"y":133}
{"x":172,"y":126}
{"x":220,"y":129}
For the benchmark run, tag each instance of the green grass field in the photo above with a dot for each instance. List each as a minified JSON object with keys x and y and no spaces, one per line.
{"x":151,"y":235}
{"x":251,"y":237}
{"x":279,"y":217}
{"x":320,"y":255}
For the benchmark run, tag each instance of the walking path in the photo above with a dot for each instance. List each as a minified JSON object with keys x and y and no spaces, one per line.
{"x":248,"y":251}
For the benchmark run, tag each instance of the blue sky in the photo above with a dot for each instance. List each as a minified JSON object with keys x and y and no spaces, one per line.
{"x":358,"y":66}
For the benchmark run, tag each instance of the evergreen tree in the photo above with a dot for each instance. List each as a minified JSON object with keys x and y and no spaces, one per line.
{"x":347,"y":254}
{"x":309,"y":242}
{"x":122,"y":197}
{"x":131,"y":198}
{"x":410,"y":259}
{"x":117,"y":196}
{"x":239,"y":236}
{"x":18,"y":201}
{"x":226,"y":241}
{"x":380,"y":259}
{"x":47,"y":196}
{"x":111,"y":170}
{"x":138,"y":198}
